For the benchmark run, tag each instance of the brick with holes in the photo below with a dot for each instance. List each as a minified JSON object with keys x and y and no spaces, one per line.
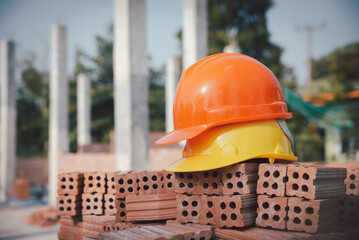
{"x":312,"y":216}
{"x":150,"y":182}
{"x":237,"y":210}
{"x":272,"y":179}
{"x":209,"y":211}
{"x":111,"y":183}
{"x":349,"y":209}
{"x":169,"y":182}
{"x":69,"y":205}
{"x":70,"y":183}
{"x":240,"y":178}
{"x":186,"y":182}
{"x":92,"y":204}
{"x":95,"y":182}
{"x":352,"y":182}
{"x":209,"y":182}
{"x":126,"y":184}
{"x":110,"y":204}
{"x":272,"y":211}
{"x":120,"y":205}
{"x":315,"y":182}
{"x":188,"y":208}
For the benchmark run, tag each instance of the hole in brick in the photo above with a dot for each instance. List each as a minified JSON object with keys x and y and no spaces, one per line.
{"x":169,"y":185}
{"x":88,"y":207}
{"x":265,"y":216}
{"x":210,"y":204}
{"x":63,"y":186}
{"x":113,"y":186}
{"x":232,"y":205}
{"x":223,"y":205}
{"x":145,"y":179}
{"x":122,"y":205}
{"x":112,"y":179}
{"x":88,"y":200}
{"x":181,"y":175}
{"x":63,"y":179}
{"x":169,"y":176}
{"x":238,"y":174}
{"x":350,"y":203}
{"x":352,"y":177}
{"x":275,"y":186}
{"x":276,"y":207}
{"x":184,"y":213}
{"x":305,"y":188}
{"x":155,"y":186}
{"x":91,"y":185}
{"x":61,"y":201}
{"x":181,"y":185}
{"x":130,"y":189}
{"x":305,"y":176}
{"x":69,"y":200}
{"x":229,"y":185}
{"x":90,"y":178}
{"x":111,"y":199}
{"x":202,"y":238}
{"x":162,"y":178}
{"x":137,"y":180}
{"x":185,"y":203}
{"x":205,"y":185}
{"x":71,"y":179}
{"x":309,"y":210}
{"x":229,"y":175}
{"x":297,"y":220}
{"x":129,"y":181}
{"x":98,"y":184}
{"x":122,"y":214}
{"x":209,"y":215}
{"x":146,"y":187}
{"x":276,"y":218}
{"x":194,"y":213}
{"x":224,"y":217}
{"x":120,"y":181}
{"x":297,"y":209}
{"x":215,"y":174}
{"x":239,"y":185}
{"x":190,"y":185}
{"x":111,"y":207}
{"x":214,"y":185}
{"x":352,"y":186}
{"x":154,"y":178}
{"x":267,"y":173}
{"x":71,"y":187}
{"x":61,"y":208}
{"x":265,"y":205}
{"x":118,"y":228}
{"x":276,"y":174}
{"x":233,"y":216}
{"x":122,"y":190}
{"x":113,"y":228}
{"x":308,"y":222}
{"x":96,"y":199}
{"x":295,"y":186}
{"x":295,"y":175}
{"x":104,"y":228}
{"x":265,"y":184}
{"x":194,"y":204}
{"x":68,"y":208}
{"x":206,"y":174}
{"x":95,"y":207}
{"x":285,"y":179}
{"x":98,"y":178}
{"x":190,"y":175}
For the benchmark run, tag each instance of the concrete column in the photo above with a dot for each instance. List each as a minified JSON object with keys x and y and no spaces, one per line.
{"x":333,"y":144}
{"x":172,"y":78}
{"x":130,"y":85}
{"x":8,"y":120}
{"x":83,"y":111}
{"x":194,"y":31}
{"x":58,"y":129}
{"x":232,"y":47}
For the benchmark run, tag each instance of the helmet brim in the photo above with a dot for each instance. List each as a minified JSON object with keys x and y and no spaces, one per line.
{"x":181,"y":135}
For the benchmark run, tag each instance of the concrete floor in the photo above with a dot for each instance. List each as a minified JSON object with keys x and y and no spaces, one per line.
{"x":13,"y":227}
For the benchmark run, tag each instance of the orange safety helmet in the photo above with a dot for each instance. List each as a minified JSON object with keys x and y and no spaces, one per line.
{"x":221,"y":89}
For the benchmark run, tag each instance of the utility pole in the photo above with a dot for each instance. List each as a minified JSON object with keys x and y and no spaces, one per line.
{"x":309,"y":30}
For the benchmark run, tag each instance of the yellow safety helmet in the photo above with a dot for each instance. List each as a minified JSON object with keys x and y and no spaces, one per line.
{"x":233,"y":143}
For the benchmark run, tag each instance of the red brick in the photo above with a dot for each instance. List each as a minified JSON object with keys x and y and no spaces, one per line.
{"x":352,"y":182}
{"x":272,"y":179}
{"x":70,"y":183}
{"x":95,"y":182}
{"x":186,"y":182}
{"x":92,"y":203}
{"x":126,"y":184}
{"x":209,"y":213}
{"x":120,"y":205}
{"x":349,"y":209}
{"x":237,"y":210}
{"x":272,"y":212}
{"x":69,"y":205}
{"x":208,"y":182}
{"x":150,"y":182}
{"x":315,"y":182}
{"x":188,"y":208}
{"x":312,"y":216}
{"x":240,"y":178}
{"x":169,"y":182}
{"x":111,"y":183}
{"x":110,"y":204}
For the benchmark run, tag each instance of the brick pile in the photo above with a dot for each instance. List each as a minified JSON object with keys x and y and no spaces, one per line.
{"x":223,"y":197}
{"x":349,"y":204}
{"x":22,"y":187}
{"x":299,"y":197}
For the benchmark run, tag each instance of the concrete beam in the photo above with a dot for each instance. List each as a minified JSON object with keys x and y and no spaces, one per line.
{"x":172,"y":79}
{"x":83,"y":111}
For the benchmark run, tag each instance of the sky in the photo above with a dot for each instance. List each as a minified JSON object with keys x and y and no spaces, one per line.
{"x":29,"y":22}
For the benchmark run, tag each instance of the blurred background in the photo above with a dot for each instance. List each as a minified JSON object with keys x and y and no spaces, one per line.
{"x":311,"y":46}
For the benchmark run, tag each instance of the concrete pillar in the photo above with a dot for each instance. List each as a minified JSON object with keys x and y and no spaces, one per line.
{"x":58,"y":129}
{"x":232,"y":47}
{"x":83,"y":111}
{"x":194,"y":31}
{"x":130,"y":85}
{"x":172,"y":78}
{"x":8,"y":120}
{"x":333,"y":144}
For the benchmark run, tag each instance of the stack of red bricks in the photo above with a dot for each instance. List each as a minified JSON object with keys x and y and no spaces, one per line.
{"x":70,"y":189}
{"x":349,"y":204}
{"x":299,"y":197}
{"x":223,"y":197}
